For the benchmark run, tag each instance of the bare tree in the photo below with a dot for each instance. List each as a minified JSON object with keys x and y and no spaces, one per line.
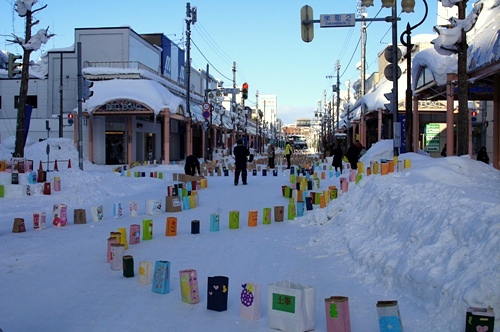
{"x":29,"y":44}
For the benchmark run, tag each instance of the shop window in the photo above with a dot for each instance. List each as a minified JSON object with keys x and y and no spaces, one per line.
{"x":30,"y":100}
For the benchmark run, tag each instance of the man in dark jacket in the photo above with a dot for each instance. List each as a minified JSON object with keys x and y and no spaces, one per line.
{"x":337,"y":157}
{"x":192,"y":165}
{"x":240,"y":162}
{"x":352,"y":155}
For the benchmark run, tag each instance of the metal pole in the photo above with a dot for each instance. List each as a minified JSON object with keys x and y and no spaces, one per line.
{"x":188,"y":57}
{"x":394,"y":100}
{"x":80,"y":101}
{"x":338,"y":95}
{"x":61,"y":95}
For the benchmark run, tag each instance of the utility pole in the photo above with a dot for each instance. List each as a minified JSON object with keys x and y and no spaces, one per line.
{"x":363,"y":53}
{"x":190,"y":19}
{"x":338,"y":93}
{"x":463,"y":110}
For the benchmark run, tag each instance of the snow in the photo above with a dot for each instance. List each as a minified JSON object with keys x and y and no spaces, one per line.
{"x":427,"y":236}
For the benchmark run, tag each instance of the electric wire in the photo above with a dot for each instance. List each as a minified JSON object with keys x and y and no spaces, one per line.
{"x":211,"y":65}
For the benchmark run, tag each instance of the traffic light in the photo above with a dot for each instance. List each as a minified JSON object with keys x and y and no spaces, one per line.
{"x":70,"y":119}
{"x":13,"y":65}
{"x":86,"y":92}
{"x":307,"y":27}
{"x":366,"y":3}
{"x":388,"y":55}
{"x":244,"y":91}
{"x":473,"y":116}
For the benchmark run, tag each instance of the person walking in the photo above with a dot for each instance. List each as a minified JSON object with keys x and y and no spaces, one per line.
{"x":352,"y":155}
{"x":288,"y":154}
{"x":192,"y":165}
{"x":337,"y":157}
{"x":482,"y":155}
{"x":270,"y":155}
{"x":240,"y":162}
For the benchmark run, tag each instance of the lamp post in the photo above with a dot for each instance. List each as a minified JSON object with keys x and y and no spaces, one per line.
{"x":407,"y":7}
{"x":409,"y":94}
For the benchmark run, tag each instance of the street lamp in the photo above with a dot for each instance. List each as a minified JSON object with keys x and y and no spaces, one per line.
{"x":409,"y":47}
{"x":407,"y":7}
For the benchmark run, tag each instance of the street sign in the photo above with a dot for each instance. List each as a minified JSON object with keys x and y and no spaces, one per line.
{"x":206,"y":106}
{"x":206,"y":114}
{"x":337,"y":20}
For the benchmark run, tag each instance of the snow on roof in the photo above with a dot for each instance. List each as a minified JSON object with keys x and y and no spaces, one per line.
{"x":440,"y":65}
{"x":147,"y":92}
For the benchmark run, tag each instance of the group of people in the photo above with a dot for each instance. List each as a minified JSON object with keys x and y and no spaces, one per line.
{"x":353,"y":154}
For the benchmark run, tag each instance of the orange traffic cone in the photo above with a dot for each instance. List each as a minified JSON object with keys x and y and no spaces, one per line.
{"x":40,"y":167}
{"x":69,"y":163}
{"x":55,"y":166}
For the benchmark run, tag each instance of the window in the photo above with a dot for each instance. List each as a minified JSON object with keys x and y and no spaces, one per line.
{"x":425,"y":77}
{"x":31,"y":100}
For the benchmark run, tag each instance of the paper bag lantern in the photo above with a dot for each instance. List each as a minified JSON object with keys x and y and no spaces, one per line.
{"x":479,"y":319}
{"x":135,"y":234}
{"x":388,"y":316}
{"x":147,"y":229}
{"x":252,"y":218}
{"x":79,"y":216}
{"x":97,"y":213}
{"x":116,"y":262}
{"x":161,"y":277}
{"x":60,"y":215}
{"x":153,"y":206}
{"x":57,"y":183}
{"x":266,"y":216}
{"x":111,"y":240}
{"x":291,"y":306}
{"x":18,"y":226}
{"x":117,"y":210}
{"x":195,"y":227}
{"x":133,"y":209}
{"x":46,"y":187}
{"x":214,"y":222}
{"x":309,"y":205}
{"x":385,"y":168}
{"x":279,"y":213}
{"x":337,"y":314}
{"x":171,"y":229}
{"x":145,"y":272}
{"x":128,"y":266}
{"x":300,"y":207}
{"x":39,"y":219}
{"x":291,"y":212}
{"x":123,"y":237}
{"x":189,"y":286}
{"x":217,"y":293}
{"x":250,"y":301}
{"x":234,"y":219}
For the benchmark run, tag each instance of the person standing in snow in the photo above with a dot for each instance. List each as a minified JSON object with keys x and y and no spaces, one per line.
{"x":270,"y":155}
{"x":240,"y":162}
{"x":192,"y":165}
{"x":288,"y":154}
{"x":482,"y":155}
{"x":353,"y":156}
{"x":337,"y":157}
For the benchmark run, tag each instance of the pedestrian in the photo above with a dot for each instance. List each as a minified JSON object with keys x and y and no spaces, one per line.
{"x":337,"y":157}
{"x":353,"y":156}
{"x":192,"y":165}
{"x":240,"y":162}
{"x":482,"y":155}
{"x":443,"y":152}
{"x":270,"y":155}
{"x":288,"y":154}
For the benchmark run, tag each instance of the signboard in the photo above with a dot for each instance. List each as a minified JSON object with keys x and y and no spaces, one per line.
{"x":206,"y":114}
{"x":206,"y":106}
{"x":337,"y":20}
{"x":432,"y":132}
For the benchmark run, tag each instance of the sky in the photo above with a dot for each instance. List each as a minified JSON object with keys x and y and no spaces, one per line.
{"x":262,"y":37}
{"x":426,"y":236}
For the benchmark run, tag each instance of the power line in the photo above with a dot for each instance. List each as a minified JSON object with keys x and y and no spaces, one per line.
{"x":208,"y":61}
